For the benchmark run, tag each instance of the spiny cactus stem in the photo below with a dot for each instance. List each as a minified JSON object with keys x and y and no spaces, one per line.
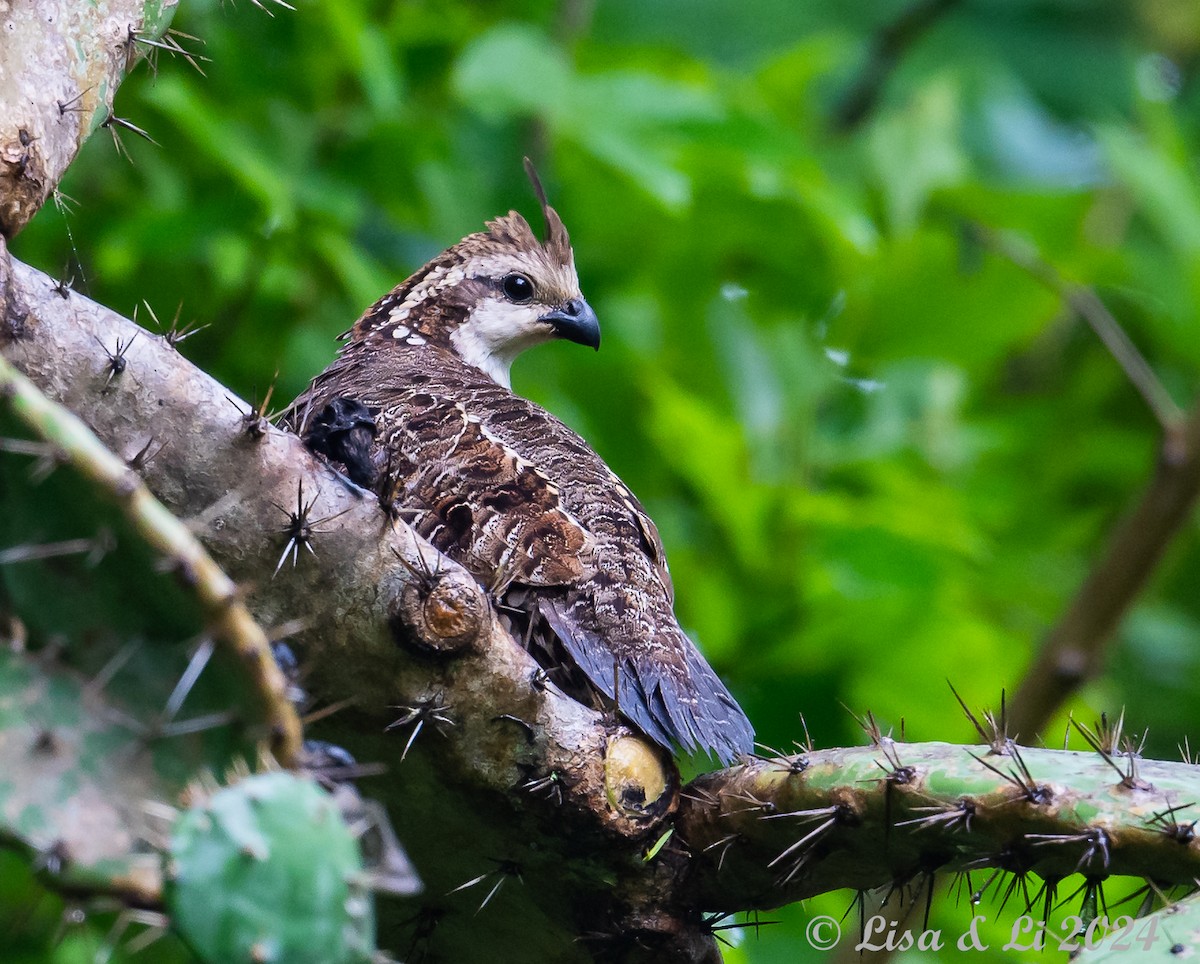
{"x":230,"y":620}
{"x":772,"y":832}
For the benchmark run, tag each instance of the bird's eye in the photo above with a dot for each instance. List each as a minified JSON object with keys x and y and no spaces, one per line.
{"x":517,"y":288}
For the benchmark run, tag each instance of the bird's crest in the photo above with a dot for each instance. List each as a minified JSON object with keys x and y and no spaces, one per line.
{"x":557,"y":241}
{"x":512,"y":230}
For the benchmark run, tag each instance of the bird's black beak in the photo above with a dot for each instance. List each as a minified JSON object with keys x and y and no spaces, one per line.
{"x":575,"y":321}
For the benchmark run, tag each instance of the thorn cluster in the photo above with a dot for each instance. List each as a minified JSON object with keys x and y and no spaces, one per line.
{"x":431,"y":709}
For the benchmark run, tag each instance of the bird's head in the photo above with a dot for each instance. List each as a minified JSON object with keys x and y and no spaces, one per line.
{"x":490,"y":296}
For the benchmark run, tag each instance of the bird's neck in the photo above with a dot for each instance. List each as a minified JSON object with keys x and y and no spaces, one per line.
{"x":472,"y":345}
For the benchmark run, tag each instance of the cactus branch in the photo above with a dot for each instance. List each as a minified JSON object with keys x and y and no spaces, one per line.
{"x":778,"y":830}
{"x":63,"y":64}
{"x":230,"y":620}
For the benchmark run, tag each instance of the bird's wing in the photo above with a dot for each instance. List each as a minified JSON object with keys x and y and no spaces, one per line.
{"x":476,"y":498}
{"x":616,"y":620}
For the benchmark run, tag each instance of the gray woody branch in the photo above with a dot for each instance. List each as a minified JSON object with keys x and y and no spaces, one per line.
{"x":62,"y":63}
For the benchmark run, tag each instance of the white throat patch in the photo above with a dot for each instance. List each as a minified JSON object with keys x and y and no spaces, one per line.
{"x":496,"y":332}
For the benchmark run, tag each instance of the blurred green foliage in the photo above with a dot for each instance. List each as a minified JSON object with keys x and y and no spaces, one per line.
{"x":879,"y":455}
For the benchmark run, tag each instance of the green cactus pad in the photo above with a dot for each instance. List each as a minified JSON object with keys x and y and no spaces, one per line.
{"x":266,"y":870}
{"x":75,"y":785}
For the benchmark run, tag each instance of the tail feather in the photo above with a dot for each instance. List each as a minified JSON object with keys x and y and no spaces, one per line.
{"x":681,"y":703}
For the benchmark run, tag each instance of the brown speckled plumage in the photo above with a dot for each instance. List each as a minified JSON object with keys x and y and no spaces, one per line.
{"x":507,"y":490}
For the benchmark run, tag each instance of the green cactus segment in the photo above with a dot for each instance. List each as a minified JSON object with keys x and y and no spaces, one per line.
{"x":266,"y":870}
{"x":90,"y":490}
{"x":75,"y":786}
{"x":781,"y":830}
{"x":1171,"y":934}
{"x":156,"y":17}
{"x":114,"y":693}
